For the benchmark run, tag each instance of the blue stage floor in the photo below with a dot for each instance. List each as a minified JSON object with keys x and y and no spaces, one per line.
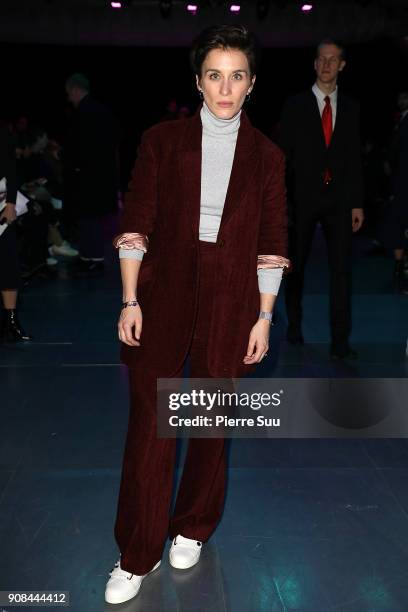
{"x":309,"y":525}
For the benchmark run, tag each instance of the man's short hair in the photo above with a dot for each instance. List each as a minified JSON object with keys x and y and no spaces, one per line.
{"x":403,"y":101}
{"x":331,"y":41}
{"x":78,"y":81}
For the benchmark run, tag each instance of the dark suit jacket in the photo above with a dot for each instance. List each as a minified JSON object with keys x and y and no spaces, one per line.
{"x":302,"y":139}
{"x":8,"y":162}
{"x":401,"y":166}
{"x":164,"y":203}
{"x":395,"y":224}
{"x":90,"y":160}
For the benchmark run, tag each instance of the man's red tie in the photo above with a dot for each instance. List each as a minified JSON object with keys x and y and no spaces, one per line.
{"x":327,"y":123}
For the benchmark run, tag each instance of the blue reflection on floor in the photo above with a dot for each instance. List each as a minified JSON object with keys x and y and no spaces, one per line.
{"x":309,"y":525}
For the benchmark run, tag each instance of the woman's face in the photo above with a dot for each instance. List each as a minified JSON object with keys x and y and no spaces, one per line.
{"x":225,"y":81}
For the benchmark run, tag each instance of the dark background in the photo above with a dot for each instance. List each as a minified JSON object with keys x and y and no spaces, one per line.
{"x":137,"y":83}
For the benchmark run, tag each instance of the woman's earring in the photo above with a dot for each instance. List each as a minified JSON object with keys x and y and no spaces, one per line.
{"x":200,"y":93}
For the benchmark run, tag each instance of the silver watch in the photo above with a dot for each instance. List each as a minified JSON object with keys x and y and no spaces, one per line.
{"x":265,"y":315}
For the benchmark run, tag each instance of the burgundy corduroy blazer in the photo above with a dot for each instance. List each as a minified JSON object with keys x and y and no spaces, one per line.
{"x":163,"y":202}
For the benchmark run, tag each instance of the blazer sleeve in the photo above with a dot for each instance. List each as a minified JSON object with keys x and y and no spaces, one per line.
{"x":140,"y":202}
{"x":272,"y":239}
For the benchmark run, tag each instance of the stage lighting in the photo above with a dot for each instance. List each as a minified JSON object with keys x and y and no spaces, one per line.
{"x":119,"y":4}
{"x":192,"y":8}
{"x":165,"y":8}
{"x":306,"y":8}
{"x":235,"y":8}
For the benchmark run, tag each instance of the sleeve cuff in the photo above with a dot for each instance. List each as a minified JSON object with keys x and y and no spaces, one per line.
{"x":131,"y":240}
{"x":272,"y":261}
{"x":269,"y":280}
{"x":131,"y":254}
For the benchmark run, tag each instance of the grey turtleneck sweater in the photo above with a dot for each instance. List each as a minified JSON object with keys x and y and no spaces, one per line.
{"x":218,"y":148}
{"x":217,"y":154}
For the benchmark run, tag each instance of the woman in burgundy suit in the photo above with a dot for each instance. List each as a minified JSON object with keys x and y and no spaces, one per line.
{"x":202,"y":248}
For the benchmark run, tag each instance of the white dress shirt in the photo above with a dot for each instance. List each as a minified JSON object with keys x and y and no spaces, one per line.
{"x":320,"y":96}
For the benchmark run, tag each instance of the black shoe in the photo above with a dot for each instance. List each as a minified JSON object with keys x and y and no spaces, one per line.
{"x":343,"y":354}
{"x":10,"y":329}
{"x":294,"y":335}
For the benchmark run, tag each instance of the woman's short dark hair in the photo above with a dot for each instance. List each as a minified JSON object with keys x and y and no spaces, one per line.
{"x":224,"y":37}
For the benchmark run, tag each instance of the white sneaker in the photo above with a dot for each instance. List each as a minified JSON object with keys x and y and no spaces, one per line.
{"x":184,"y":553}
{"x":122,"y":585}
{"x":64,"y":249}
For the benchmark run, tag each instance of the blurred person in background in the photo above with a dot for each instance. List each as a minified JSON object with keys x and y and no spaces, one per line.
{"x":171,"y":111}
{"x":10,"y":326}
{"x":396,"y":224}
{"x":90,"y":172}
{"x":45,"y":186}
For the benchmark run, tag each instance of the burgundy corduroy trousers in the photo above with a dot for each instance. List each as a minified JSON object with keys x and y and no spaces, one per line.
{"x":143,"y":520}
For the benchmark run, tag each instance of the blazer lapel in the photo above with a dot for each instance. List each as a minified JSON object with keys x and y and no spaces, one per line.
{"x":243,"y":168}
{"x":339,"y":121}
{"x":189,"y":169}
{"x":316,"y":118}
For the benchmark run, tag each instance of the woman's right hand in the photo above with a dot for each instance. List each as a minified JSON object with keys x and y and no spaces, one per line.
{"x":130,"y":319}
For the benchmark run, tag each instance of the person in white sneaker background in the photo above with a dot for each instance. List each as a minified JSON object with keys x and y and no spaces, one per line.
{"x":202,"y":249}
{"x":40,"y":179}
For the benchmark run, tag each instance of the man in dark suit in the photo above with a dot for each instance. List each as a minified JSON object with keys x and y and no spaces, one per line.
{"x":91,"y":171}
{"x":320,"y":134}
{"x":396,"y":226}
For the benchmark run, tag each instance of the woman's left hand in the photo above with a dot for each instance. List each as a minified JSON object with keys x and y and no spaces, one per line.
{"x":258,"y":342}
